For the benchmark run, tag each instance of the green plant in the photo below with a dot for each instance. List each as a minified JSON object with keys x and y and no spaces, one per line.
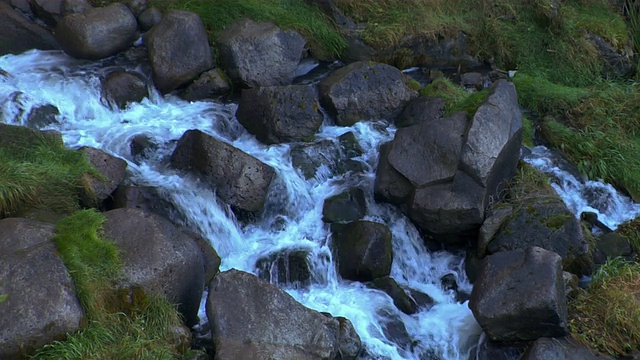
{"x":456,"y":98}
{"x":607,"y":315}
{"x":631,"y":231}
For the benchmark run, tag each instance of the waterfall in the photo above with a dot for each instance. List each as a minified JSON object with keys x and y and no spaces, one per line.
{"x":292,"y":218}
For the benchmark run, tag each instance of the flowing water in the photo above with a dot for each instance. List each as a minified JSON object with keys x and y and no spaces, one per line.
{"x":292,"y":218}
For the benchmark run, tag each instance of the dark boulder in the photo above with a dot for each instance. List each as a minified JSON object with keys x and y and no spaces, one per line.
{"x":158,"y":258}
{"x":260,"y":54}
{"x":617,"y":64}
{"x":252,"y":319}
{"x":565,"y":348}
{"x":96,"y":190}
{"x":178,"y":50}
{"x":421,"y":109}
{"x":145,"y":198}
{"x":51,"y":11}
{"x":472,"y":80}
{"x":401,"y":299}
{"x":142,"y":146}
{"x":210,"y":84}
{"x":519,"y":296}
{"x":492,"y":225}
{"x":137,"y":6}
{"x":276,"y":114}
{"x":289,"y":267}
{"x":238,"y":178}
{"x":42,"y":116}
{"x":149,"y":18}
{"x":212,"y":260}
{"x":121,"y":88}
{"x":390,"y":186}
{"x":610,"y":246}
{"x":349,"y":342}
{"x":308,"y":158}
{"x":18,"y":34}
{"x":97,"y":33}
{"x":363,"y":250}
{"x":365,"y":91}
{"x":37,"y":296}
{"x":347,"y":206}
{"x":349,"y":146}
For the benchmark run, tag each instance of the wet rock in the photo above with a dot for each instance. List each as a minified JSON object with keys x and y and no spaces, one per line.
{"x":142,"y":146}
{"x":211,"y":258}
{"x":22,"y":5}
{"x":137,"y":7}
{"x":472,"y":80}
{"x":424,"y":301}
{"x":571,"y":284}
{"x":349,"y":145}
{"x":491,"y":226}
{"x":158,"y":257}
{"x":308,"y":158}
{"x":565,"y":348}
{"x":178,"y":50}
{"x":421,"y":109}
{"x":347,"y":206}
{"x":42,"y":116}
{"x":49,"y":11}
{"x":349,"y":342}
{"x":97,"y":33}
{"x":252,"y":319}
{"x":145,"y":198}
{"x":616,"y":65}
{"x":592,"y":220}
{"x":121,"y":88}
{"x":260,"y":54}
{"x":37,"y":296}
{"x":18,"y":34}
{"x":365,"y":91}
{"x":363,"y":250}
{"x":277,"y":114}
{"x":519,"y":296}
{"x":489,"y":350}
{"x":390,"y":186}
{"x":610,"y":246}
{"x":449,"y":282}
{"x":75,"y":6}
{"x":210,"y":85}
{"x":401,"y":299}
{"x":238,"y":178}
{"x":96,"y":190}
{"x":394,"y":329}
{"x":149,"y":18}
{"x":289,"y":267}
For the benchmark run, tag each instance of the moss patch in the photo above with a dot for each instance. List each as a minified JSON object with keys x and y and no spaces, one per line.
{"x":456,"y":98}
{"x":631,"y":231}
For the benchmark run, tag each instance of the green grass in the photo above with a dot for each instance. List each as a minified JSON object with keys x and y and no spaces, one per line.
{"x":120,"y":324}
{"x":607,"y":315}
{"x":631,"y":231}
{"x":36,"y":170}
{"x":325,"y":41}
{"x":527,"y":132}
{"x":456,"y":98}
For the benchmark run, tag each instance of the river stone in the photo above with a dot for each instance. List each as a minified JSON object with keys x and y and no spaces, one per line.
{"x":565,"y":348}
{"x":211,"y":258}
{"x":42,"y":116}
{"x":121,"y":88}
{"x":419,"y":110}
{"x":210,"y":85}
{"x":252,"y":319}
{"x":178,"y":50}
{"x":145,"y":198}
{"x":97,"y":33}
{"x":401,"y":299}
{"x":142,"y":146}
{"x":277,"y":114}
{"x":18,"y":34}
{"x":349,"y":145}
{"x":158,"y":258}
{"x":491,"y":226}
{"x":363,"y":250}
{"x":519,"y":295}
{"x":38,"y":300}
{"x":390,"y":186}
{"x":238,"y":178}
{"x":610,"y":246}
{"x":365,"y":91}
{"x":308,"y":158}
{"x":290,"y":267}
{"x":344,"y":207}
{"x":260,"y":54}
{"x":136,"y":6}
{"x":95,"y":190}
{"x":546,"y":222}
{"x":149,"y":18}
{"x":349,"y":341}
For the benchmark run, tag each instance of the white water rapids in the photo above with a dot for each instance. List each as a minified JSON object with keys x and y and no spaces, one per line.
{"x":446,"y":331}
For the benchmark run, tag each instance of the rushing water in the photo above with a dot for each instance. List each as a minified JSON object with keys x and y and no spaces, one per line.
{"x":293,"y":212}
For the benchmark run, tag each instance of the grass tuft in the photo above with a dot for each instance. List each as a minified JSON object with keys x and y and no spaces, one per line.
{"x":456,"y":98}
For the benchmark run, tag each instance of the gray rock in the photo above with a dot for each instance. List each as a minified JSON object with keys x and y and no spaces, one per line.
{"x":564,"y":348}
{"x":137,"y":6}
{"x":142,"y":146}
{"x":363,"y":250}
{"x":158,"y":258}
{"x":42,"y":116}
{"x":610,"y":246}
{"x":121,"y":88}
{"x":75,"y":6}
{"x":18,"y":34}
{"x":473,"y":80}
{"x":49,"y":11}
{"x":401,"y":299}
{"x":347,"y":206}
{"x":390,"y":186}
{"x":238,"y":178}
{"x":617,"y":64}
{"x":149,"y":18}
{"x":276,"y":114}
{"x":97,"y":33}
{"x":519,"y":296}
{"x":37,"y":296}
{"x":349,"y":146}
{"x":211,"y":258}
{"x":260,"y":54}
{"x":96,"y":190}
{"x":290,"y":267}
{"x":348,"y":340}
{"x":365,"y":91}
{"x":145,"y":198}
{"x":421,"y":109}
{"x":308,"y":158}
{"x":491,"y":226}
{"x":210,"y":85}
{"x":178,"y":50}
{"x":252,"y":319}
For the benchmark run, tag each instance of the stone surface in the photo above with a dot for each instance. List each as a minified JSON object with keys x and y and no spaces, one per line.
{"x":178,"y":50}
{"x":121,"y":88}
{"x":390,"y":186}
{"x":238,"y":179}
{"x":149,"y":18}
{"x":97,"y":33}
{"x":38,"y":301}
{"x":363,"y":250}
{"x":561,"y":349}
{"x":347,"y":206}
{"x":419,"y":110}
{"x":252,"y":319}
{"x":401,"y":299}
{"x":96,"y":190}
{"x":260,"y":54}
{"x":210,"y":85}
{"x":18,"y":34}
{"x":158,"y":258}
{"x":145,"y":198}
{"x":365,"y":91}
{"x":290,"y":267}
{"x":277,"y":114}
{"x":519,"y":296}
{"x":42,"y":116}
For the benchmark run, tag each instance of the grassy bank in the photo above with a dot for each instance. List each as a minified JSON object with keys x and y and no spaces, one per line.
{"x":141,"y":327}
